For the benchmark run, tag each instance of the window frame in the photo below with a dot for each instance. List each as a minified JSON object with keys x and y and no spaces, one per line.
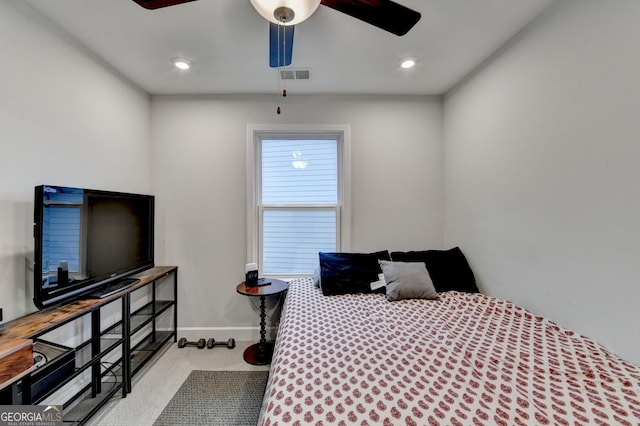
{"x":255,"y":134}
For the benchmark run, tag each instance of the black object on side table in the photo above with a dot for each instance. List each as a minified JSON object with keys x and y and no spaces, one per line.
{"x":260,"y":353}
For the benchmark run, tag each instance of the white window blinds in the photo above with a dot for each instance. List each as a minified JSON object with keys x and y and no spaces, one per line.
{"x":299,"y":203}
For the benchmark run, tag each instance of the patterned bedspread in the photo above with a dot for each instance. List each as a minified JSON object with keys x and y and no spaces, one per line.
{"x":465,"y":359}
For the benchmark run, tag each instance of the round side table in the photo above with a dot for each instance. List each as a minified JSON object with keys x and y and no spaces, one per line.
{"x":260,"y":353}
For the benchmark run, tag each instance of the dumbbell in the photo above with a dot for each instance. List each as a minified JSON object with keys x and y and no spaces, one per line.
{"x":231,"y":343}
{"x":200,"y":344}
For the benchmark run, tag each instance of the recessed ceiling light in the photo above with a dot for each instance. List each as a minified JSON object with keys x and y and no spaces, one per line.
{"x":181,"y":64}
{"x":407,"y":63}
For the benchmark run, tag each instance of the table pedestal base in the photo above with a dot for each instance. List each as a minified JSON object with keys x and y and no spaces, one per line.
{"x":259,"y":353}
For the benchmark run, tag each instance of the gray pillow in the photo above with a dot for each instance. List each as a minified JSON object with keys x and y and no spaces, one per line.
{"x":407,"y":280}
{"x":316,"y":277}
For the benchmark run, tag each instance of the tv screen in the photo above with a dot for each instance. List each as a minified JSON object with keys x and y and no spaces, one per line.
{"x":86,"y":239}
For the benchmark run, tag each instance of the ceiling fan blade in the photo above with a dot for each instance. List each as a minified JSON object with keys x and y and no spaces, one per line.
{"x":157,"y":4}
{"x":280,"y":47}
{"x":385,"y":14}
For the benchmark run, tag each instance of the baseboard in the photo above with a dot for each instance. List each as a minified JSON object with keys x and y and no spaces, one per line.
{"x":223,"y":333}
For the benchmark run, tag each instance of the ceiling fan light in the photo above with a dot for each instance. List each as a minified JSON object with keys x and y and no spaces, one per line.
{"x":302,"y":9}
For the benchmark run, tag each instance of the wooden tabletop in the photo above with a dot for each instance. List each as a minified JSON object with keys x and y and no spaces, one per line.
{"x":16,"y":360}
{"x":16,"y":345}
{"x":276,"y":287}
{"x":40,"y":322}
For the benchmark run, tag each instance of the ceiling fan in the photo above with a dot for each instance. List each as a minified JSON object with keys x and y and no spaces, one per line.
{"x":283,"y":15}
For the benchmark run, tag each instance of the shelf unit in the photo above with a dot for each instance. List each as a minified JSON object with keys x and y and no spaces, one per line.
{"x":102,"y":379}
{"x":149,"y":344}
{"x":113,"y":338}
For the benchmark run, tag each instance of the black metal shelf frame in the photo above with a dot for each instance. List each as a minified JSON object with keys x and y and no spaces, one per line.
{"x":115,"y":342}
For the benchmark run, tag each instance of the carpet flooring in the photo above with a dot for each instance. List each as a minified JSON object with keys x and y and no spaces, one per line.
{"x":216,"y":398}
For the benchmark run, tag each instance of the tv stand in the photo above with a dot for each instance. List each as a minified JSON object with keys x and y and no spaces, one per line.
{"x":127,"y":329}
{"x":113,"y":288}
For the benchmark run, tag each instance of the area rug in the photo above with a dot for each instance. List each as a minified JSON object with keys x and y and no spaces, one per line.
{"x":215,"y":398}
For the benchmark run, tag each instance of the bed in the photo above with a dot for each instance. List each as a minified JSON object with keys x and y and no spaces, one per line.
{"x":460,"y":359}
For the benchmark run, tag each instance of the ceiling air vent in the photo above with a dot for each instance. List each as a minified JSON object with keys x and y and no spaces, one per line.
{"x":295,"y":74}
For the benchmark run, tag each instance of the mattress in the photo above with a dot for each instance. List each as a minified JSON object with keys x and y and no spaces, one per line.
{"x":464,"y":359}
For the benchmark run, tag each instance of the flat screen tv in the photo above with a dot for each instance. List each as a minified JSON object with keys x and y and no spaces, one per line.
{"x":86,"y":240}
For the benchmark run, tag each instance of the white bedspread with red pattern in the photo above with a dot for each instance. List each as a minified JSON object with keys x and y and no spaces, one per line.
{"x":465,"y":359}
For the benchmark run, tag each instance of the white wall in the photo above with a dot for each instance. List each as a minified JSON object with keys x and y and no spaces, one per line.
{"x":64,"y":119}
{"x":198,"y":164}
{"x":542,"y":150}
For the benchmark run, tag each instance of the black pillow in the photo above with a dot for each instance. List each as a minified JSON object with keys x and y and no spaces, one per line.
{"x":345,"y":273}
{"x":448,"y":269}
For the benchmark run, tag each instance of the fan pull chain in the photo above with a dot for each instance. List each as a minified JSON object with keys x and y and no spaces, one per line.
{"x":278,"y":72}
{"x":281,"y":65}
{"x":284,"y":46}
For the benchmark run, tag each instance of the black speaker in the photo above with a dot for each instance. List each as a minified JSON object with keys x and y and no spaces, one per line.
{"x":251,"y":275}
{"x":251,"y":278}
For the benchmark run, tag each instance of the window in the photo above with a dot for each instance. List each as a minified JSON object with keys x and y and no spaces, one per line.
{"x":297,"y":187}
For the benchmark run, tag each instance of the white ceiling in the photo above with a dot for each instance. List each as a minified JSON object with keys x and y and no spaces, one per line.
{"x":227,"y":41}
